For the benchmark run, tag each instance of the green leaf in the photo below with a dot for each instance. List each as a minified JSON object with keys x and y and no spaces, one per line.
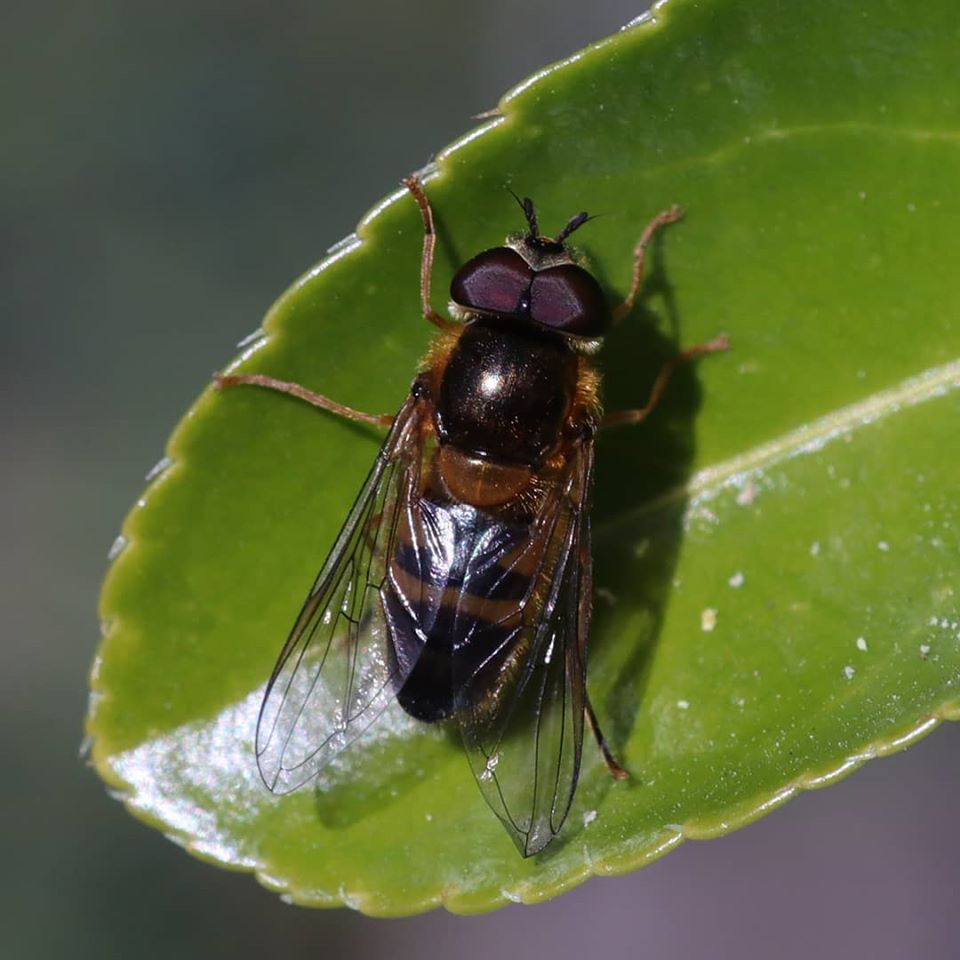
{"x":776,"y":549}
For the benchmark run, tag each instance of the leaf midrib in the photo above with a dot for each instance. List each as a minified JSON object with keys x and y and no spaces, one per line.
{"x":932,"y":384}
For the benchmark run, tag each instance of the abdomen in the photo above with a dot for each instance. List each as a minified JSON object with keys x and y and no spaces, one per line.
{"x":453,"y":599}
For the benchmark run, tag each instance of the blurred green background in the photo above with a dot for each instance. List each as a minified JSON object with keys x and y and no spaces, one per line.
{"x":167,"y":171}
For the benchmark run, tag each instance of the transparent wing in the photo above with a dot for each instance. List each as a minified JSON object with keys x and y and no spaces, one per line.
{"x":524,"y":741}
{"x":335,"y":674}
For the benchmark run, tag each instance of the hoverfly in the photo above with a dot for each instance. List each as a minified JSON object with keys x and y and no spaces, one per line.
{"x":460,"y":584}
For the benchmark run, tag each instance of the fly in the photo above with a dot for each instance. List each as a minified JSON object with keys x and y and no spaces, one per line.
{"x":460,"y":585}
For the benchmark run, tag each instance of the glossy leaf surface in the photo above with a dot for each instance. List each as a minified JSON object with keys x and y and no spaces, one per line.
{"x":776,"y":550}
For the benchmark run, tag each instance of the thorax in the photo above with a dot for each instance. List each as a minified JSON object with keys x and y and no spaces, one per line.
{"x":505,"y":392}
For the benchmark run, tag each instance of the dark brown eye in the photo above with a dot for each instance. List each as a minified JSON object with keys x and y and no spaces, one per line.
{"x":568,"y":299}
{"x":495,"y":281}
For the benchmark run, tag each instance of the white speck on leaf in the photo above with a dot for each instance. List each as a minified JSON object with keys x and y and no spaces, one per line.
{"x":815,"y":548}
{"x":848,"y":672}
{"x":747,"y":494}
{"x":924,"y":650}
{"x":640,"y":549}
{"x":861,"y":644}
{"x":708,"y":619}
{"x":683,"y":704}
{"x":737,"y":579}
{"x":606,"y":594}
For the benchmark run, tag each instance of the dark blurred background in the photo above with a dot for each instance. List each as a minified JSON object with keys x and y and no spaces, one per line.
{"x":167,"y":170}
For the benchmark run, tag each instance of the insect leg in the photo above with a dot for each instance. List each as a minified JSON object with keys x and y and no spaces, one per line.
{"x":426,"y":261}
{"x":616,"y":771}
{"x":639,"y":252}
{"x":302,"y":393}
{"x":660,"y":384}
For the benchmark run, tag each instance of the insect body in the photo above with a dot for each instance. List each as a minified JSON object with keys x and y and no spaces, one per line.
{"x":460,"y":585}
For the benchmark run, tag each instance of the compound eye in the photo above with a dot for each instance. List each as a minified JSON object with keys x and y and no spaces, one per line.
{"x":495,"y":281}
{"x":568,"y":299}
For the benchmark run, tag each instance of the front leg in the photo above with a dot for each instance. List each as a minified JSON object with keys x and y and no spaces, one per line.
{"x":639,"y":254}
{"x":412,"y":183}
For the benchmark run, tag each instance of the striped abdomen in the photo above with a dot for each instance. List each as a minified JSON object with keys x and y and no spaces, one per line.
{"x":454,"y":598}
